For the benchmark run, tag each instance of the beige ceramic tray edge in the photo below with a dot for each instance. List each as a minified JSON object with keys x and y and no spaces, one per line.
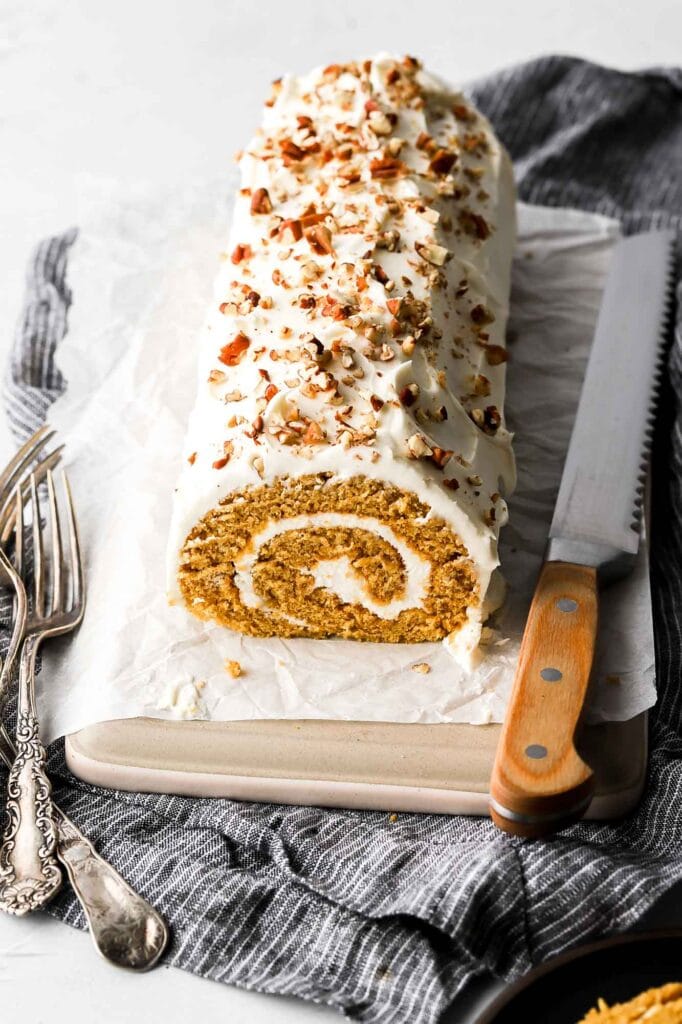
{"x":372,"y":765}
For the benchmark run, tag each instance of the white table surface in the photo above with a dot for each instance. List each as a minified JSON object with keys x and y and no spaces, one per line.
{"x":166,"y":90}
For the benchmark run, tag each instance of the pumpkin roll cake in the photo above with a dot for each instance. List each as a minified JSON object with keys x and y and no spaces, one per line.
{"x":347,"y":456}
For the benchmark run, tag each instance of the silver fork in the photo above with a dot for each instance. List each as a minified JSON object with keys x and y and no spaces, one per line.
{"x":125,"y":928}
{"x":28,"y":860}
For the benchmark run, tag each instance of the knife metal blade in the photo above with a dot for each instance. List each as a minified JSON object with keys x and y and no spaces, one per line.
{"x":598,"y":509}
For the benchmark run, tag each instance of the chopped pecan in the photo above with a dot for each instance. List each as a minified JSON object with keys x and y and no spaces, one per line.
{"x":492,"y":419}
{"x":334,"y":309}
{"x":312,"y":217}
{"x":441,"y":456}
{"x":487,"y":419}
{"x":380,"y":123}
{"x":291,"y":231}
{"x":256,"y":427}
{"x":290,"y":151}
{"x":417,"y":447}
{"x":388,"y":240}
{"x":260,"y":201}
{"x":463,"y":113}
{"x":241,"y":252}
{"x":314,"y":434}
{"x":442,"y":161}
{"x":474,"y":224}
{"x":409,"y":394}
{"x":481,"y":385}
{"x":496,"y":354}
{"x":228,"y":449}
{"x":434,"y":254}
{"x":480,"y":315}
{"x":473,"y":142}
{"x":386,"y":167}
{"x":233,"y":352}
{"x":320,"y":240}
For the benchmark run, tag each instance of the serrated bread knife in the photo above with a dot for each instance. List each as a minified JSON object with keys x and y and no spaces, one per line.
{"x":539,"y":782}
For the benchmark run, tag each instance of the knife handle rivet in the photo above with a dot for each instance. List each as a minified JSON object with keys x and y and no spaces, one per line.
{"x":536,"y":751}
{"x":566,"y":604}
{"x":551,"y":675}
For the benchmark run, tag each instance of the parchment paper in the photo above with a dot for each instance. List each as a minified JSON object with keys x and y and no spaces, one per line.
{"x":141,"y":274}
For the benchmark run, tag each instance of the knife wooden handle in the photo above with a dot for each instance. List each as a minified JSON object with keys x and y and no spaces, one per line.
{"x":539,"y":782}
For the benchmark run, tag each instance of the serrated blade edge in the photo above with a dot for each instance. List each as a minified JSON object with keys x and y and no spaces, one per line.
{"x":598,"y":509}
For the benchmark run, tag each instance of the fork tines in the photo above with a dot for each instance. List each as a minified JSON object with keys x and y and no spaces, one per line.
{"x":15,"y":475}
{"x":57,"y":591}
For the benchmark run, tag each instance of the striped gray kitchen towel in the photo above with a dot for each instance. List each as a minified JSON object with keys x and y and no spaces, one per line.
{"x":386,"y":920}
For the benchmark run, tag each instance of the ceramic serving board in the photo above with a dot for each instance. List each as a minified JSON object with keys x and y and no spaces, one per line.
{"x":441,"y":769}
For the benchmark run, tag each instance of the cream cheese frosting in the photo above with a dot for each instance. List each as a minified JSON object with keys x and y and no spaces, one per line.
{"x":358,"y":325}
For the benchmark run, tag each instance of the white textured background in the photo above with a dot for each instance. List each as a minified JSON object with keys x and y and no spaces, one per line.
{"x":167,"y":90}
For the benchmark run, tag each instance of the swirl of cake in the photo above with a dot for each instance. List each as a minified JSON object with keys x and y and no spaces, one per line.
{"x":347,"y":455}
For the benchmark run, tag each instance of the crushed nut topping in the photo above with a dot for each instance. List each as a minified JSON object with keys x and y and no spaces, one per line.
{"x":409,"y":394}
{"x":480,"y":315}
{"x":228,"y":451}
{"x":417,"y":447}
{"x":432,"y":253}
{"x":368,"y":203}
{"x":442,"y":161}
{"x":387,"y":167}
{"x":241,"y":253}
{"x":496,"y":354}
{"x":260,"y":202}
{"x":233,"y":352}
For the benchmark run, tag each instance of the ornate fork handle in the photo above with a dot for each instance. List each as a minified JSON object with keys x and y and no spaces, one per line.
{"x":29,"y":872}
{"x":126,"y":930}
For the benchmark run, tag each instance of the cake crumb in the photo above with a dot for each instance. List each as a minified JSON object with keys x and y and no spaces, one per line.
{"x":234,"y":668}
{"x":422,"y":667}
{"x":392,"y":818}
